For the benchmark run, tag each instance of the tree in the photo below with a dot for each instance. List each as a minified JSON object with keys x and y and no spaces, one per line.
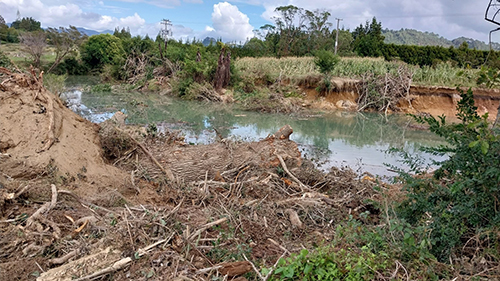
{"x":66,"y":41}
{"x":35,"y":43}
{"x":27,"y":24}
{"x":3,"y":28}
{"x":460,"y":202}
{"x":319,"y":28}
{"x":290,"y":24}
{"x":325,"y":61}
{"x":100,"y":50}
{"x":123,"y":34}
{"x":368,"y":39}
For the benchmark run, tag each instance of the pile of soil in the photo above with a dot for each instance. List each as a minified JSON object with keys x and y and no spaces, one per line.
{"x":81,"y":201}
{"x":39,"y":136}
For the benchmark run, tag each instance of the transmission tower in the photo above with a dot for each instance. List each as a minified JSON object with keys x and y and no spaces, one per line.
{"x":166,"y":30}
{"x":492,"y":15}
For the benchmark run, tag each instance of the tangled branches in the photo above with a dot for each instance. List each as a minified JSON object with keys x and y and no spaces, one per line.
{"x":384,"y":92}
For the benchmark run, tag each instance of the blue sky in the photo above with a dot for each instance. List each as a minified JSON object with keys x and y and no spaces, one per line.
{"x":235,"y":20}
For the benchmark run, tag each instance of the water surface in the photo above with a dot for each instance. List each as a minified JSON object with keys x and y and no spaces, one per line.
{"x":336,"y":139}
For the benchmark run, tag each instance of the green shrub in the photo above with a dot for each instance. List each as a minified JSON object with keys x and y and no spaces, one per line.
{"x":102,"y":49}
{"x":461,"y":199}
{"x":4,"y":60}
{"x":489,"y":77}
{"x":331,"y":264}
{"x":326,"y":61}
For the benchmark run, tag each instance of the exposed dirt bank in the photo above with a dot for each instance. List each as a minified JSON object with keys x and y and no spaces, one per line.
{"x":432,"y":100}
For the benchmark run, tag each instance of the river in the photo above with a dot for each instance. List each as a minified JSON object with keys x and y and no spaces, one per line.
{"x":340,"y":139}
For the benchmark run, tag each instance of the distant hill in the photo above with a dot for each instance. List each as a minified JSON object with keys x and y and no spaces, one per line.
{"x":209,"y":40}
{"x":419,"y":38}
{"x":89,"y":32}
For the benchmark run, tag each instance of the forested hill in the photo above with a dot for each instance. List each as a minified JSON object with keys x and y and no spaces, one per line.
{"x":419,"y":38}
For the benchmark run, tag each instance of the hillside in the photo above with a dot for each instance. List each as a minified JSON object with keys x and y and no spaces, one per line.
{"x":420,"y":38}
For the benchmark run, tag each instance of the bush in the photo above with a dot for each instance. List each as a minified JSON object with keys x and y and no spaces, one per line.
{"x":4,"y":60}
{"x":102,"y":49}
{"x":326,"y":61}
{"x":461,"y":199}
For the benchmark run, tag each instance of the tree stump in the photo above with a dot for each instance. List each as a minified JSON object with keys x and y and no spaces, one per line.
{"x":284,"y":133}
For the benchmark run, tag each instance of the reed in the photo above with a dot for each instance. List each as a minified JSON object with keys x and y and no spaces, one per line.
{"x":296,"y":68}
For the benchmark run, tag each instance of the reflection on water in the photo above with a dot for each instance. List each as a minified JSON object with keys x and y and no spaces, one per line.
{"x":336,"y":139}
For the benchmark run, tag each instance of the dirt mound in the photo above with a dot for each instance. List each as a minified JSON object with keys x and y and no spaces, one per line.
{"x":40,"y":136}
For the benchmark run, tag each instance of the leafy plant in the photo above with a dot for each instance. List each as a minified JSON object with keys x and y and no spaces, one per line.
{"x":152,"y":130}
{"x":489,"y":77}
{"x":329,"y":264}
{"x":461,"y":199}
{"x":4,"y":60}
{"x":326,"y":61}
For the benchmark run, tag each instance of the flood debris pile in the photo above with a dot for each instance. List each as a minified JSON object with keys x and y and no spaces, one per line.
{"x":116,"y":202}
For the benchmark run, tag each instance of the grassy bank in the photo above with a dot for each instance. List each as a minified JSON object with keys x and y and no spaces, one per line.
{"x":293,"y":68}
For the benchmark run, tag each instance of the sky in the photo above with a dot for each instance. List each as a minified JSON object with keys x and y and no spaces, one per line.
{"x":235,"y":21}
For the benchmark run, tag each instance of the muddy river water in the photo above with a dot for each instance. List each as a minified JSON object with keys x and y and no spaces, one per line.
{"x":356,"y":140}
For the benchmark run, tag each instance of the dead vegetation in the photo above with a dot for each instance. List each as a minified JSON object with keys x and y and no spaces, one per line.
{"x":384,"y":92}
{"x":154,"y":207}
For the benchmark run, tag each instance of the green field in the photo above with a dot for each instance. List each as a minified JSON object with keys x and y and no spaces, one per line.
{"x":18,"y":54}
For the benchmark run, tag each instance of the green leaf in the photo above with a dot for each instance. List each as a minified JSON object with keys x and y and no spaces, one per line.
{"x":308,"y":268}
{"x":484,"y":147}
{"x":473,"y":144}
{"x":264,"y":271}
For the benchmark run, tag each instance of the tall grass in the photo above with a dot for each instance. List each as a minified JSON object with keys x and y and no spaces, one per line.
{"x":294,"y":68}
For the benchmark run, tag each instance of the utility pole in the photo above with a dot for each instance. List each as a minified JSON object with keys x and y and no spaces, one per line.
{"x":166,"y":31}
{"x":337,"y":36}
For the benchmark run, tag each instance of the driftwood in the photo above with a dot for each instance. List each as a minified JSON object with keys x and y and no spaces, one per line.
{"x":45,"y":208}
{"x":285,"y":168}
{"x":284,"y":132}
{"x":64,"y":258}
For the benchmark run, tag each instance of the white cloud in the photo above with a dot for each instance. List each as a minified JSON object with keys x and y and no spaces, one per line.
{"x":53,"y":14}
{"x":230,"y":24}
